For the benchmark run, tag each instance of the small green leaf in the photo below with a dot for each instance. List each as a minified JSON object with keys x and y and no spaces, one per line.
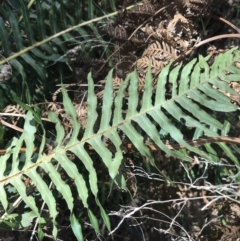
{"x":76,"y":227}
{"x":104,"y":216}
{"x":93,"y":221}
{"x":40,"y":233}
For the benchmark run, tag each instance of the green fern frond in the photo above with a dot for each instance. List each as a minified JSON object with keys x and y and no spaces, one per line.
{"x":197,"y":90}
{"x":39,"y":34}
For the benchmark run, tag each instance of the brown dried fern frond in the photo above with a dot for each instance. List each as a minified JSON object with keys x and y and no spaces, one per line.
{"x":116,"y":84}
{"x":55,"y":107}
{"x":118,"y":32}
{"x":58,"y":109}
{"x":59,"y":90}
{"x":160,"y":51}
{"x":142,"y":65}
{"x":15,"y":110}
{"x":177,"y":33}
{"x":81,"y":110}
{"x":181,"y":26}
{"x":193,"y":8}
{"x":147,"y":9}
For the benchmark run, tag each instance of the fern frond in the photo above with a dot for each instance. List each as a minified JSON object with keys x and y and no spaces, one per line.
{"x":197,"y":90}
{"x":40,"y":34}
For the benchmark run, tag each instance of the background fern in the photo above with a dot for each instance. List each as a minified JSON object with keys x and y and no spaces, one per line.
{"x":24,"y":25}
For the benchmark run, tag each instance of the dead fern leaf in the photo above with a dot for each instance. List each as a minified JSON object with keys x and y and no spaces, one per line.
{"x":117,"y":32}
{"x":160,"y":51}
{"x":15,"y":110}
{"x":193,"y":8}
{"x":146,"y":9}
{"x":116,"y":84}
{"x":178,"y":32}
{"x":81,"y":110}
{"x":181,"y":26}
{"x":142,"y":65}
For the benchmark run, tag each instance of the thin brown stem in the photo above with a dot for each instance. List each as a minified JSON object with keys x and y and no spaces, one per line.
{"x":234,"y":35}
{"x":225,"y":21}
